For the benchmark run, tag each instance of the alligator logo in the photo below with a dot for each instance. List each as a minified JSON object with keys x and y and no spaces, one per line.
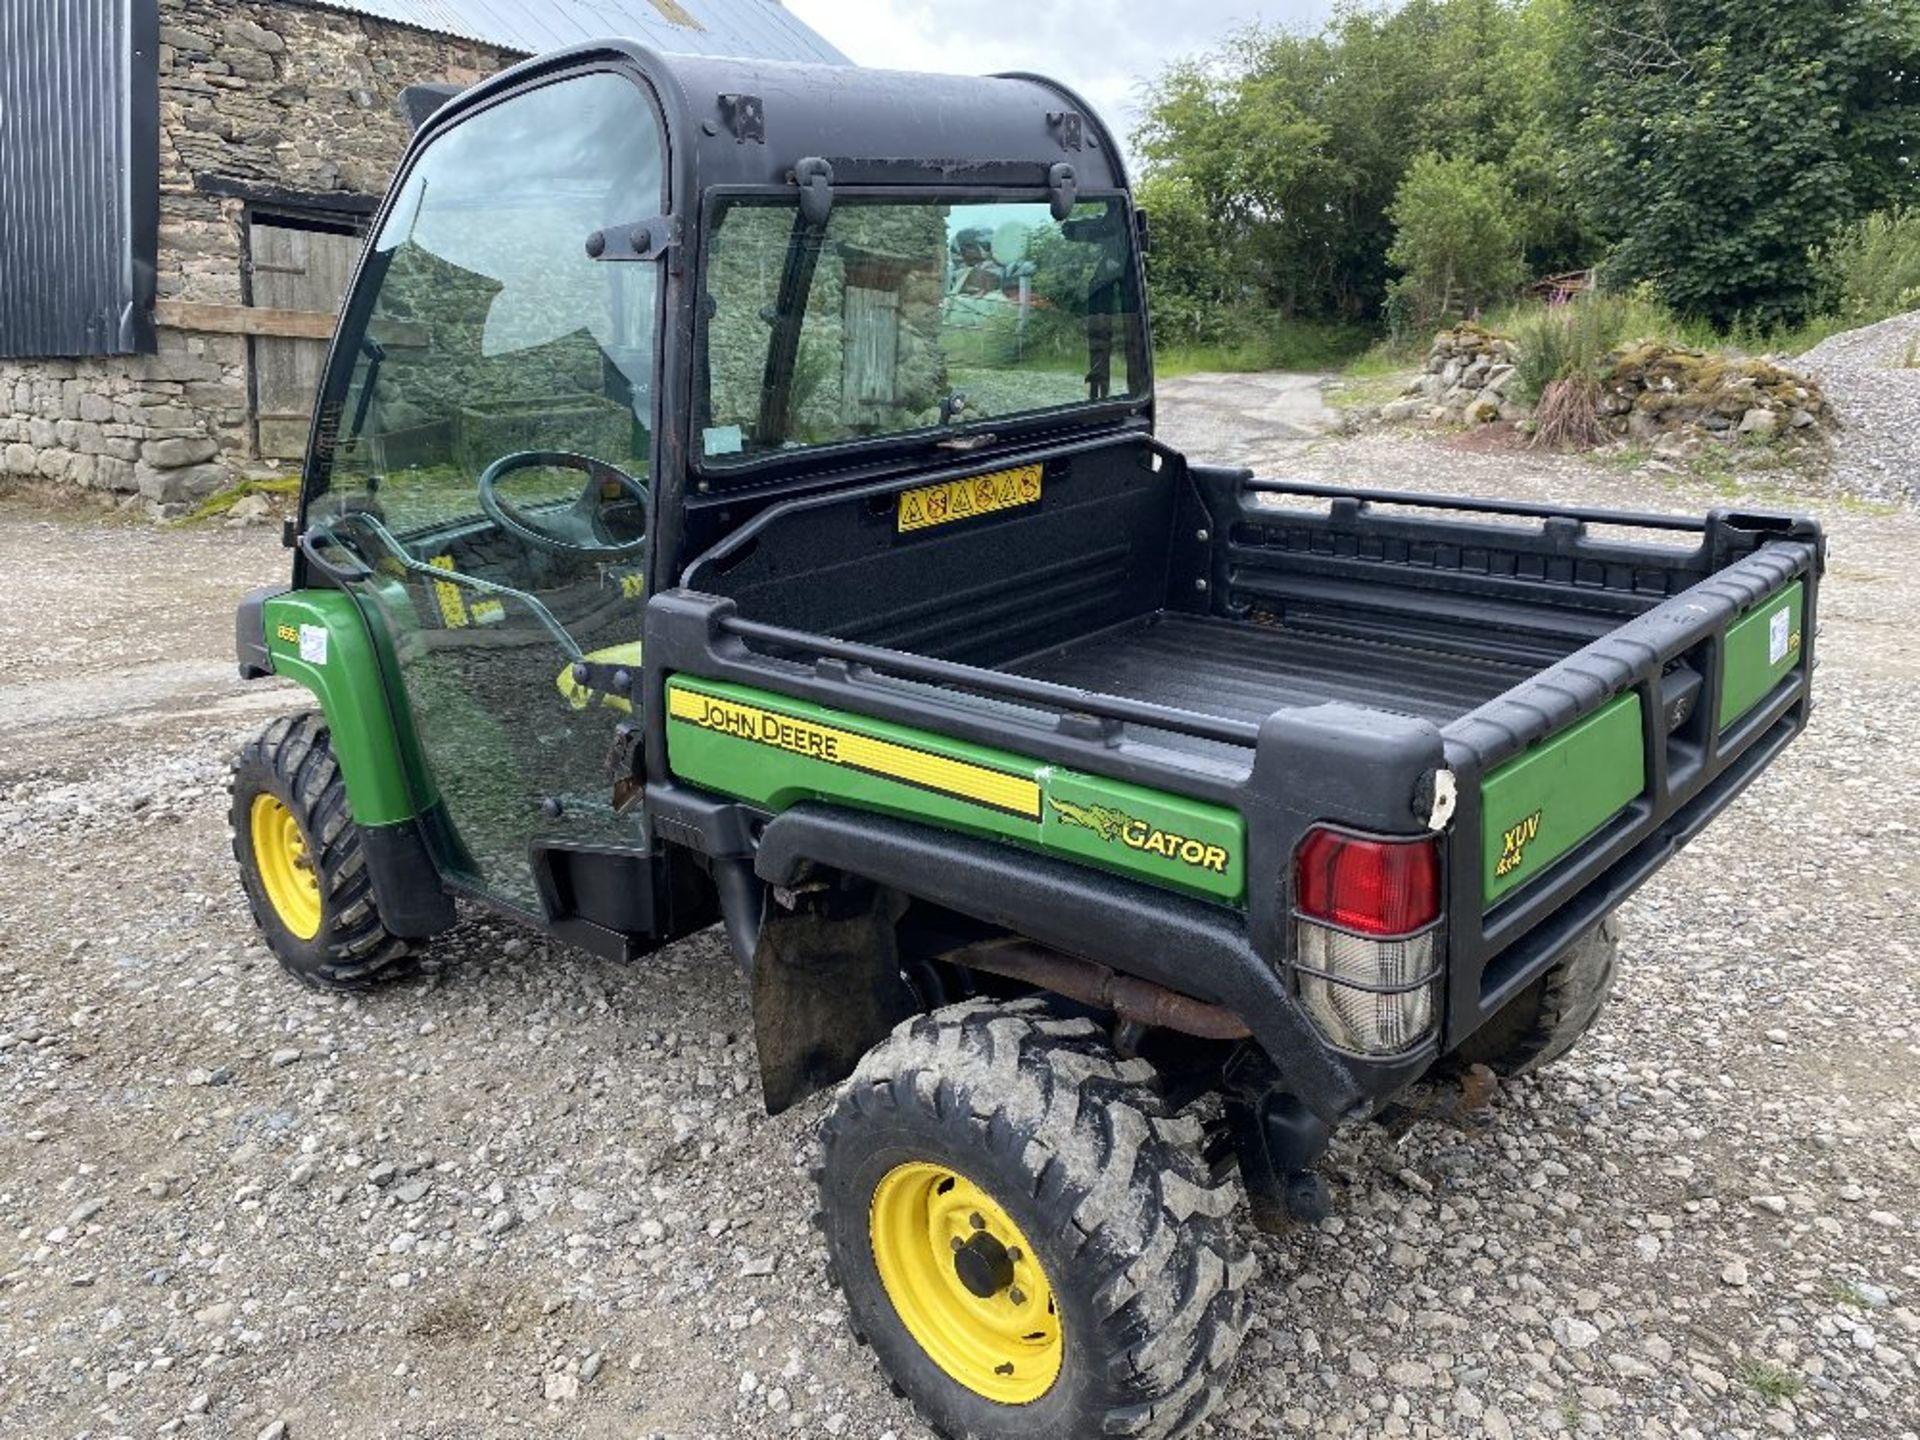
{"x":1104,"y":821}
{"x":1113,"y":826}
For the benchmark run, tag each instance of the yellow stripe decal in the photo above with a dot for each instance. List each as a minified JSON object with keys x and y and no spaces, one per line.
{"x":1015,"y":794}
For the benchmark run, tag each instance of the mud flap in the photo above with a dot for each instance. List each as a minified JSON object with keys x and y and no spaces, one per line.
{"x":826,"y":989}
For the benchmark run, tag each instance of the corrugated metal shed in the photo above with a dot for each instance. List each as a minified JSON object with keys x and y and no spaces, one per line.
{"x":79,"y":166}
{"x":763,"y":28}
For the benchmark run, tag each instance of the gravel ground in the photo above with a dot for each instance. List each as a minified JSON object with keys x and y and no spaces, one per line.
{"x":1873,"y":377}
{"x":540,"y":1197}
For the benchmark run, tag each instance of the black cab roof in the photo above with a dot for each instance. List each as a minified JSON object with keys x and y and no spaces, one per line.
{"x":749,"y":122}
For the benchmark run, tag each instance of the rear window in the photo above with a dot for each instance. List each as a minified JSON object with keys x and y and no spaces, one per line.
{"x":898,"y":317}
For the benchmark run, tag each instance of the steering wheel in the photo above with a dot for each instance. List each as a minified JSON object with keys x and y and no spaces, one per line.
{"x":577,"y":530}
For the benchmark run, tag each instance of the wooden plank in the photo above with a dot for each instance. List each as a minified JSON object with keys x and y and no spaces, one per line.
{"x":295,"y":271}
{"x":869,"y":370}
{"x":243,"y":320}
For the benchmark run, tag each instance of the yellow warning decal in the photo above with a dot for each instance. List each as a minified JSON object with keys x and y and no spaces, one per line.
{"x":453,"y":610}
{"x":964,"y":499}
{"x":1014,"y":794}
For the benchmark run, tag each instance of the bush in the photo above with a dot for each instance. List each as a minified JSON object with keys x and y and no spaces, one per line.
{"x":1192,"y":280}
{"x":1872,"y":268}
{"x":1454,"y":240}
{"x":1574,"y":340}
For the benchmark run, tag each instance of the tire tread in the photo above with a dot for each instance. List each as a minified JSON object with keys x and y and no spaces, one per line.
{"x":1130,"y":1180}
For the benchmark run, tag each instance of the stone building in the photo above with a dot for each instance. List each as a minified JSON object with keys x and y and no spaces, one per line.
{"x":239,"y":151}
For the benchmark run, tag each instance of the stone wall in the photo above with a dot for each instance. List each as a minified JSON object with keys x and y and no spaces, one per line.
{"x":268,"y":96}
{"x":1468,"y":374}
{"x":1668,"y":397}
{"x":883,"y":263}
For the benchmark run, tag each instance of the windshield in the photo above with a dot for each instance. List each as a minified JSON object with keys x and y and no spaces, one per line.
{"x":490,"y":329}
{"x":903,"y":316}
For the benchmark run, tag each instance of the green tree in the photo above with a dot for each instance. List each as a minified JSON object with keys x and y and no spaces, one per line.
{"x":1292,"y":146}
{"x":1455,"y":239}
{"x":1719,"y":140}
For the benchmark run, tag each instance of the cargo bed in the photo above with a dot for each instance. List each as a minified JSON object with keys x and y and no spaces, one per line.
{"x":1241,"y":670}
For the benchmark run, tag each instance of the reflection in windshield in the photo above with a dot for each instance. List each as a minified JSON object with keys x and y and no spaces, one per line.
{"x":492,"y":331}
{"x":914,"y":316}
{"x":491,"y":229}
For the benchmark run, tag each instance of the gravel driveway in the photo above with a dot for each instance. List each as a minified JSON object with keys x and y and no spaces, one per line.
{"x":540,"y":1197}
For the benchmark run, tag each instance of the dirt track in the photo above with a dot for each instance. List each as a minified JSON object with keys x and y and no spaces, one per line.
{"x":541,"y":1198}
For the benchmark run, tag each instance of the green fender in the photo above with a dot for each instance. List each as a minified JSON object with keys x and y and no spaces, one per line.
{"x":320,"y":639}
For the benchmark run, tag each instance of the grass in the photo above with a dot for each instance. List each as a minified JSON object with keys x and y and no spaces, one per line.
{"x":1571,"y":1411}
{"x":1354,"y":391}
{"x":1769,"y":1381}
{"x":221,"y":501}
{"x":1270,"y":343}
{"x":1389,"y":357}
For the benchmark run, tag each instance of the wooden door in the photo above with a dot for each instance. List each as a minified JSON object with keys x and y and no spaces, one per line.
{"x":293,"y":269}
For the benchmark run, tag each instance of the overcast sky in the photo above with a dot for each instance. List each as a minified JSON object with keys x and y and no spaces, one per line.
{"x":1101,"y":48}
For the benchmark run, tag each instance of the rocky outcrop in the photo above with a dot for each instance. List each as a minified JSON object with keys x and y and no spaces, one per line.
{"x":1467,"y":380}
{"x":1653,"y":392}
{"x":1667,"y":397}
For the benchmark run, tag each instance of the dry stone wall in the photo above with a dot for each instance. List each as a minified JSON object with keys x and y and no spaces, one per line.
{"x":1667,"y":397}
{"x":270,"y":97}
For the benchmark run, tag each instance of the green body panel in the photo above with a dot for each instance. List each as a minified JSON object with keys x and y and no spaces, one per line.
{"x":1167,"y":839}
{"x":1538,"y":806}
{"x":1762,"y":648}
{"x":775,"y":751}
{"x":379,"y":759}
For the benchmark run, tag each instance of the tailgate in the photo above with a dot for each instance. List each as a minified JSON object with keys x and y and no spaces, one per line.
{"x":1579,"y":783}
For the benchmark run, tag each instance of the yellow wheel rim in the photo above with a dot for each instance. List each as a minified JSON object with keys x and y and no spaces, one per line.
{"x":286,"y":869}
{"x":965,"y":1282}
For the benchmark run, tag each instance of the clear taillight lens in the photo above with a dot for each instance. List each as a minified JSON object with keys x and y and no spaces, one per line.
{"x":1374,"y":997}
{"x":1367,"y":939}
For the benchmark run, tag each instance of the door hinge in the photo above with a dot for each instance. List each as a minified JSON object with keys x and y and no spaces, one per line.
{"x":642,"y":240}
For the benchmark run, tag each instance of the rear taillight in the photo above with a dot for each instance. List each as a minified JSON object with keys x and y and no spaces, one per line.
{"x":1367,"y":953}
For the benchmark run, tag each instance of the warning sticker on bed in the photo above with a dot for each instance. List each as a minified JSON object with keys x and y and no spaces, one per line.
{"x":963,"y":499}
{"x":1779,"y":636}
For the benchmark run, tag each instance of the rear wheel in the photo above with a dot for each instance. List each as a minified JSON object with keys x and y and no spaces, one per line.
{"x":301,"y":864}
{"x":1547,"y":1019}
{"x":1029,"y":1240}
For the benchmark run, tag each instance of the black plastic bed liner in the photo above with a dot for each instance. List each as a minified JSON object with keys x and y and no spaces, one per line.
{"x":1242,"y":670}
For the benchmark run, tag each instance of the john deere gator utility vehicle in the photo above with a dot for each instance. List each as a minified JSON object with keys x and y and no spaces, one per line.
{"x":734,"y":498}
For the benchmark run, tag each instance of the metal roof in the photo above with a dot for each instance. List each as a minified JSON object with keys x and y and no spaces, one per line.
{"x":762,"y":28}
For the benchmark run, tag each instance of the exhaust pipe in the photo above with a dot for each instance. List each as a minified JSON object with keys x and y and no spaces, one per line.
{"x":1131,"y":998}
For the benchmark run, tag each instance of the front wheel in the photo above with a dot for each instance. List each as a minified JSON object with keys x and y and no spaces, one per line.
{"x":1029,"y":1240}
{"x":301,"y":864}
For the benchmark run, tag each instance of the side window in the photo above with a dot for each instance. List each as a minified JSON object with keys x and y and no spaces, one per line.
{"x":492,"y":331}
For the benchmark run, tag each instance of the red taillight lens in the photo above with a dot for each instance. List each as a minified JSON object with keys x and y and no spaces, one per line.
{"x":1377,"y":887}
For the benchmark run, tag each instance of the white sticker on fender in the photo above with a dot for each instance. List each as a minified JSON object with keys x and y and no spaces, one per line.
{"x":313,"y":644}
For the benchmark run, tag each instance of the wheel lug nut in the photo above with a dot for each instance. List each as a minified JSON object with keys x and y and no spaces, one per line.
{"x":957,"y":1243}
{"x":1013,"y":1254}
{"x":976,"y":1222}
{"x":1017,"y":1296}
